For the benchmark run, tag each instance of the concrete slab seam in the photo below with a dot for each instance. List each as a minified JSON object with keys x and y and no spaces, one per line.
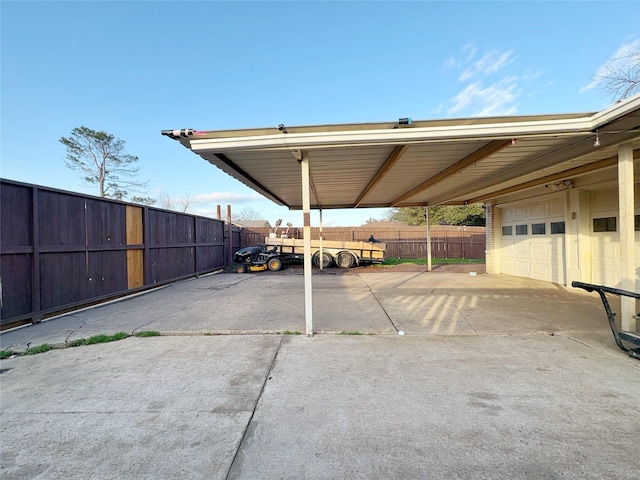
{"x":612,"y":353}
{"x":381,"y":306}
{"x":255,"y":405}
{"x":466,"y":320}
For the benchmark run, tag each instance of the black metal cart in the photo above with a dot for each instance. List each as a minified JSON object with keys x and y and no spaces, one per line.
{"x":620,"y":337}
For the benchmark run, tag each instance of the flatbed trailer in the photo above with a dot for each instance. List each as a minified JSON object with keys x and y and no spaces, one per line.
{"x":341,"y":253}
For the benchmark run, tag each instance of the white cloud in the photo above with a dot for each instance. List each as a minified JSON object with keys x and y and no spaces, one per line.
{"x":491,"y":87}
{"x":489,"y":63}
{"x":617,"y":60}
{"x":226,"y":197}
{"x":450,"y":63}
{"x":495,"y":99}
{"x":469,"y":50}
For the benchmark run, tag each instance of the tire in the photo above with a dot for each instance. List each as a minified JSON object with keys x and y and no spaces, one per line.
{"x":327,"y":259}
{"x":241,"y":268}
{"x":345,"y":260}
{"x":274,"y":264}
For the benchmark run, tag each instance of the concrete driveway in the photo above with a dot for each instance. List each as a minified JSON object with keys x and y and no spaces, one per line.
{"x":496,"y":377}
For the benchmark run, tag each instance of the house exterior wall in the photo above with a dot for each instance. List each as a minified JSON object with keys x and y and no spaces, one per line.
{"x":587,"y":255}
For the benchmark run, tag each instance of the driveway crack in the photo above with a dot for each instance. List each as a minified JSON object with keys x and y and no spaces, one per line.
{"x":467,"y":320}
{"x":74,"y":330}
{"x":379,"y":303}
{"x":255,"y":406}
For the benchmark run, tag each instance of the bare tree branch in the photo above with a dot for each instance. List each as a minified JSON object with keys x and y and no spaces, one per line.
{"x":621,"y":76}
{"x":100,"y":156}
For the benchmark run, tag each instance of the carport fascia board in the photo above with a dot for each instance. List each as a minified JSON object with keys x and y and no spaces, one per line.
{"x":308,"y":141}
{"x":512,"y":127}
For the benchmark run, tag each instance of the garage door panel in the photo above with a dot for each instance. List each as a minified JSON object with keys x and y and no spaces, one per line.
{"x":521,"y":212}
{"x":522,"y":268}
{"x":541,"y":248}
{"x":555,"y":209}
{"x":522,"y":247}
{"x":540,"y":269}
{"x":538,"y":210}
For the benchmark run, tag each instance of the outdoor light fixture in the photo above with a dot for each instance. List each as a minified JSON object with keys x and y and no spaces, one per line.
{"x":297,"y":154}
{"x":596,"y":142}
{"x":402,"y":121}
{"x":185,"y":132}
{"x":559,"y":186}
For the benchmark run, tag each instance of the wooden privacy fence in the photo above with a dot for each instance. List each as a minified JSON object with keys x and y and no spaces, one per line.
{"x":404,"y":242}
{"x":60,"y":250}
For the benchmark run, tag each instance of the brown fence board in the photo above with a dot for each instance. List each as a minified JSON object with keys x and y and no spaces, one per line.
{"x":172,"y":262}
{"x":107,"y":273}
{"x":15,"y":210}
{"x":62,"y":278}
{"x":135,"y":269}
{"x":106,"y":223}
{"x":16,"y":294}
{"x":135,"y":258}
{"x":62,"y":219}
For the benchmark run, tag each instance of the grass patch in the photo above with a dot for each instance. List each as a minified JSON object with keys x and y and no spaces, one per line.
{"x":354,"y":332}
{"x":39,"y":349}
{"x":6,"y":354}
{"x":95,"y":339}
{"x":147,"y":333}
{"x":434,"y":261}
{"x":291,"y":332}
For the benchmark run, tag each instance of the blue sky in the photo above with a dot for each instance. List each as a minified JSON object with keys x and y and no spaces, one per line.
{"x":134,"y":68}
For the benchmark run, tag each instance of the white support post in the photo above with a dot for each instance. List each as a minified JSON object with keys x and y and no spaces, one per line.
{"x":306,"y":235}
{"x":627,"y":234}
{"x":321,"y":250}
{"x":427,"y":217}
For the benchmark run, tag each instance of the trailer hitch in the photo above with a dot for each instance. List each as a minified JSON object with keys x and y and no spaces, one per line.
{"x":618,"y":335}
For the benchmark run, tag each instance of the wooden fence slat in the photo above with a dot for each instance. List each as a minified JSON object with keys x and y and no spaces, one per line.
{"x":135,"y":258}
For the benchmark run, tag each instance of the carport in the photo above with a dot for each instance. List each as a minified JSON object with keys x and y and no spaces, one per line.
{"x":437,"y":162}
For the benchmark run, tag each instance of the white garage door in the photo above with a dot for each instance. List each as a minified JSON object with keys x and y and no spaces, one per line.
{"x":533,"y":242}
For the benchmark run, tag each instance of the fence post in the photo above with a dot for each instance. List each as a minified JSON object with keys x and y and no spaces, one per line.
{"x":446,"y":243}
{"x":35,"y":272}
{"x":195,"y":241}
{"x":462,"y":237}
{"x":230,"y":237}
{"x":146,"y":237}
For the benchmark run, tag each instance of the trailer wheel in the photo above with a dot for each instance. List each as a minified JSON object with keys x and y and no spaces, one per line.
{"x":326,"y":259}
{"x":274,"y":264}
{"x":345,"y":260}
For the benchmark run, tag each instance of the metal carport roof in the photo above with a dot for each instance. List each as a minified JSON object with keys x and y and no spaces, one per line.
{"x":406,"y":163}
{"x":430,"y":162}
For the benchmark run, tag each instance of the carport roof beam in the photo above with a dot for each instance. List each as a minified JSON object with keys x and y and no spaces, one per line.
{"x":480,"y":154}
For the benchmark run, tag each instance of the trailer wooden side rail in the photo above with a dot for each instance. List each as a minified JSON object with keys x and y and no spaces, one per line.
{"x":344,"y":254}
